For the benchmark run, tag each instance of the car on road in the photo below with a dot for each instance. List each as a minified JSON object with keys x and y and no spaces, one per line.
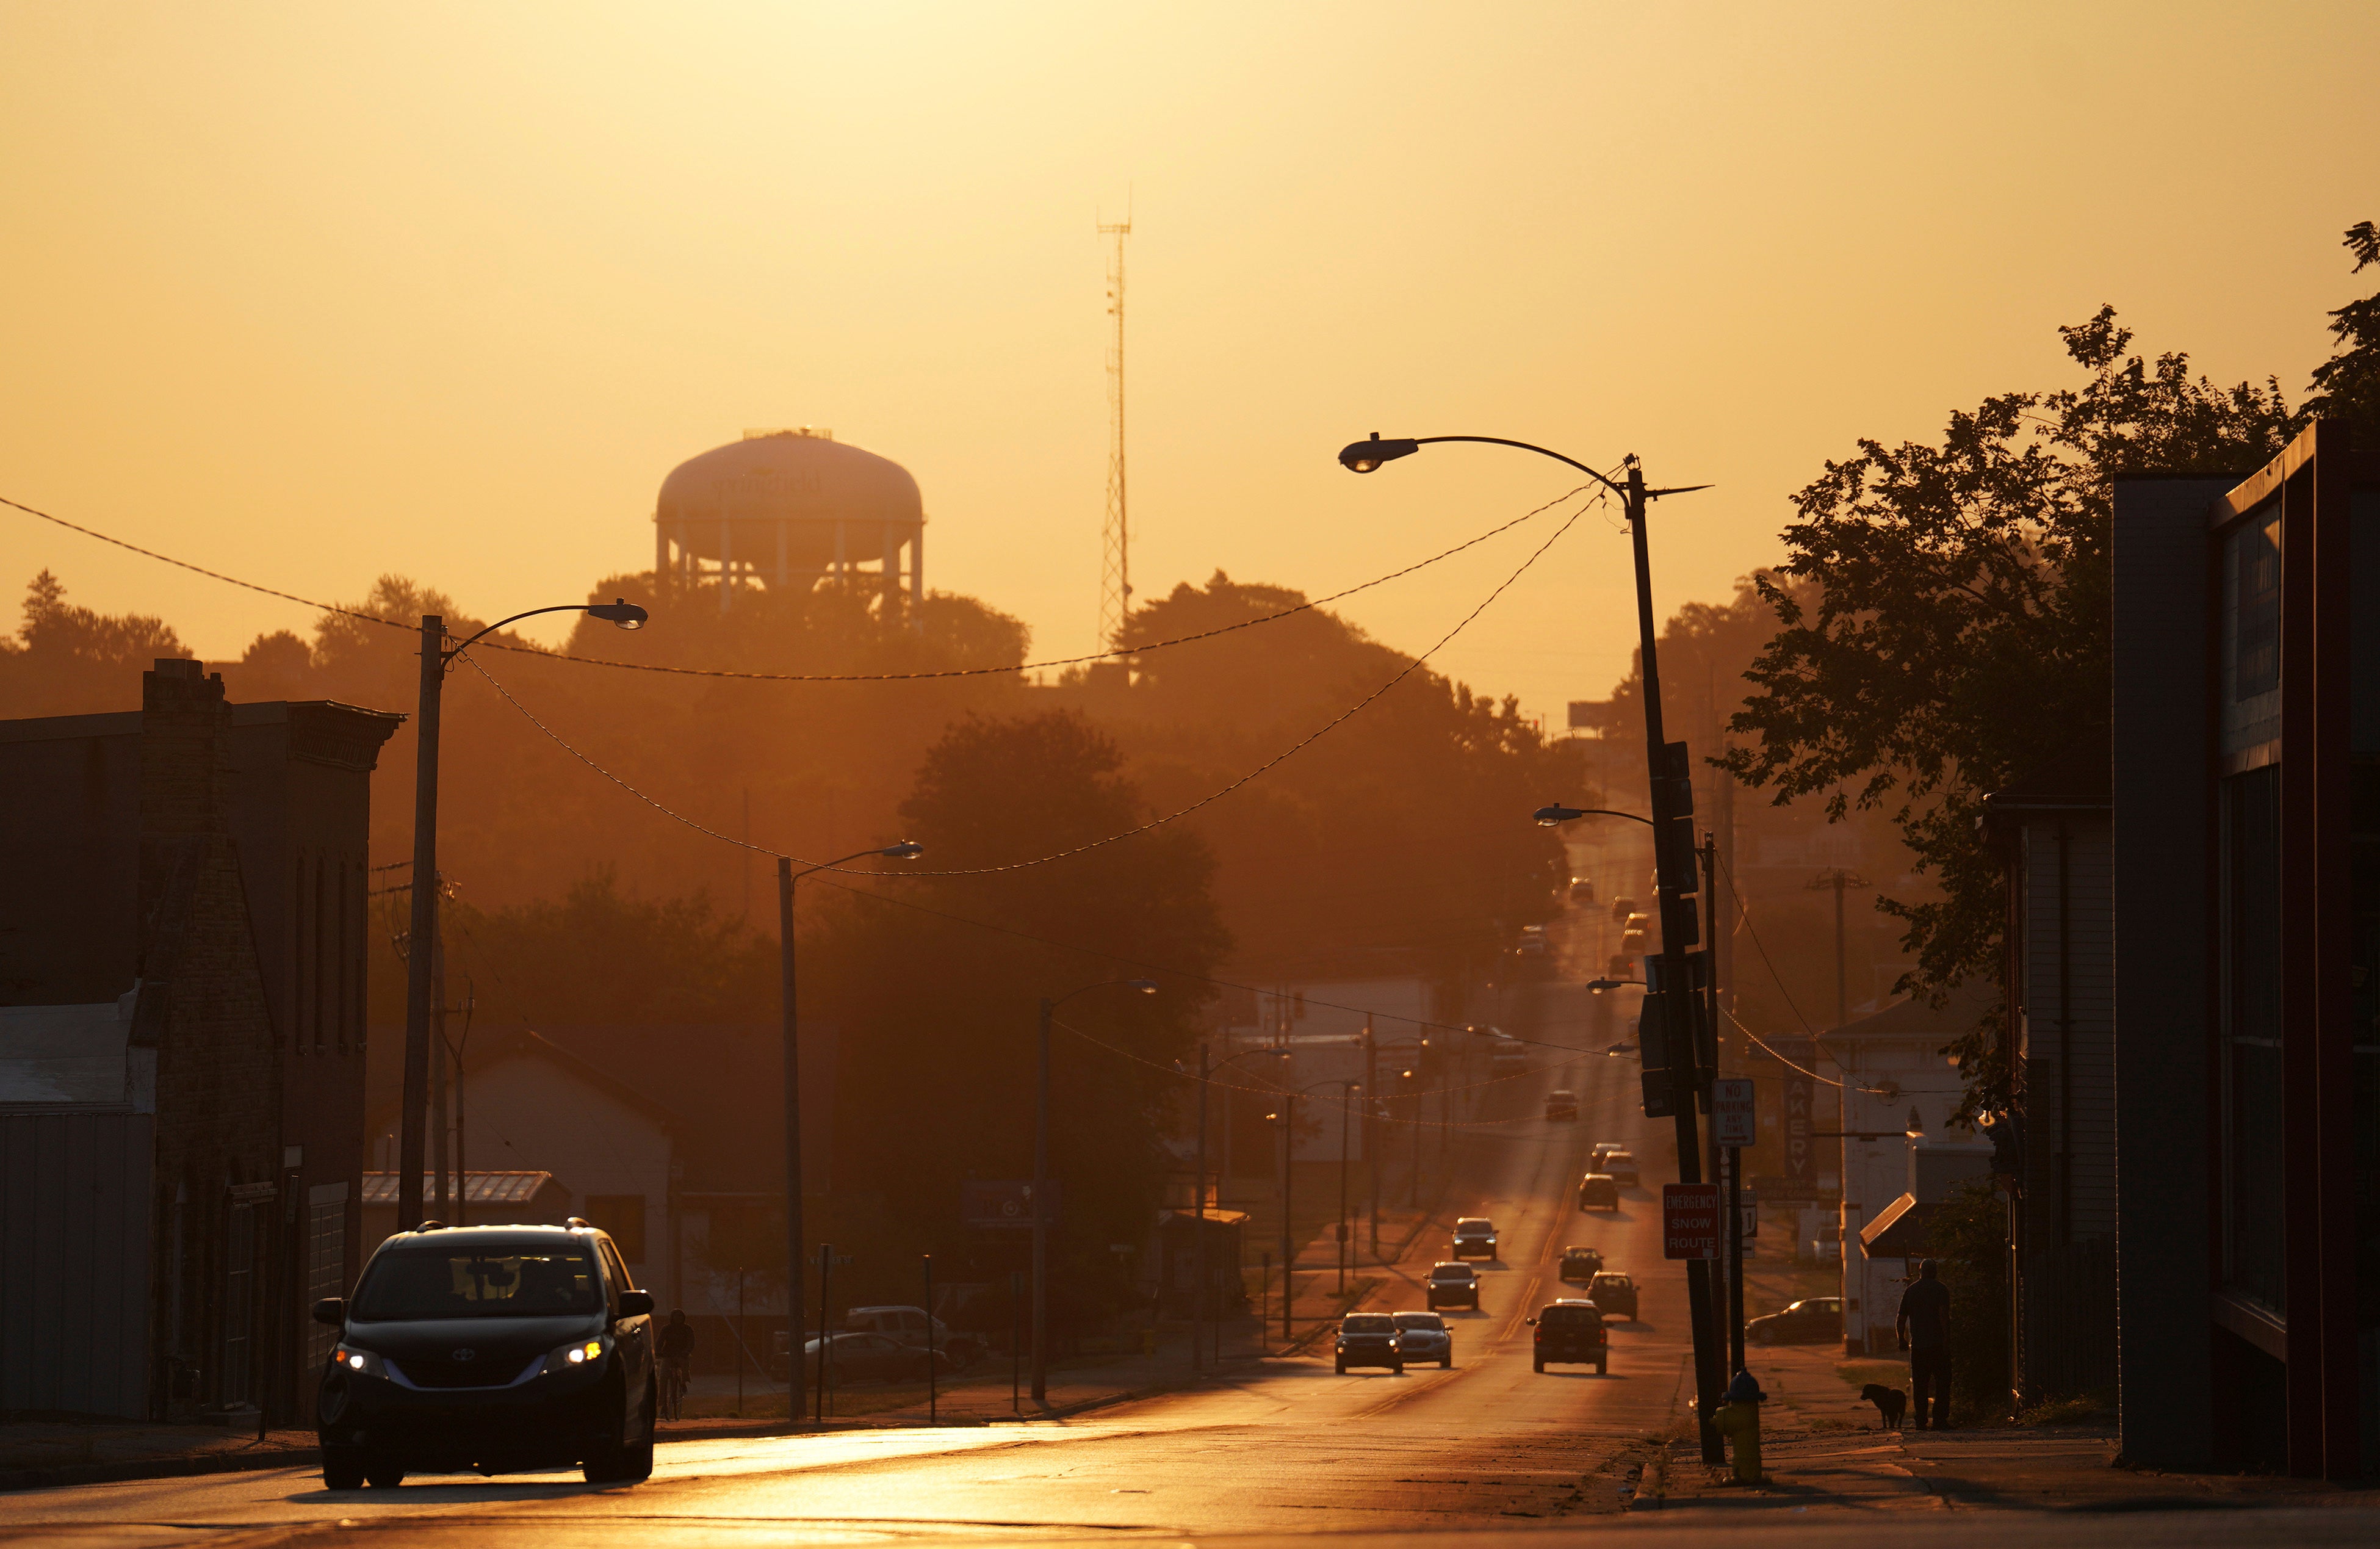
{"x":1562,"y":1103}
{"x":1504,"y":1050}
{"x":1602,"y":1149}
{"x":911,"y":1326}
{"x":1582,"y":890}
{"x":503,"y":1349}
{"x":1529,"y":946}
{"x":1622,"y":907}
{"x":1580,"y":1264}
{"x":1453,"y":1284}
{"x":1474,"y":1237}
{"x":1816,"y":1320}
{"x":1613,"y":1294}
{"x":1369,"y":1340}
{"x":1424,"y":1336}
{"x":1622,"y":1167}
{"x":1570,"y":1333}
{"x":1632,"y":935}
{"x":869,"y":1357}
{"x":1598,"y":1191}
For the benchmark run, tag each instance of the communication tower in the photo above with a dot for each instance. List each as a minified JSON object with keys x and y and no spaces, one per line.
{"x":1115,"y":531}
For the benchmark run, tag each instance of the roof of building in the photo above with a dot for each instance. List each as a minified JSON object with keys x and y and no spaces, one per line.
{"x":800,"y":475}
{"x":478,"y":1189}
{"x":1958,"y":1016}
{"x":1899,"y":1229}
{"x":2078,"y":779}
{"x":68,"y":1053}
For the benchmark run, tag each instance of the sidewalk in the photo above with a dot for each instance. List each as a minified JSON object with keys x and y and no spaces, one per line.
{"x":1822,"y":1449}
{"x":38,"y":1453}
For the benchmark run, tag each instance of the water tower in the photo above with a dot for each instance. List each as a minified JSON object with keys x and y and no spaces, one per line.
{"x":785,"y":509}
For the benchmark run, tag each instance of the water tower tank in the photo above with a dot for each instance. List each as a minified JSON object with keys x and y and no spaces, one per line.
{"x":785,"y":509}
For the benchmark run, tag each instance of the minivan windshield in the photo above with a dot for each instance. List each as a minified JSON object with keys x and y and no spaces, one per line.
{"x":486,"y":1281}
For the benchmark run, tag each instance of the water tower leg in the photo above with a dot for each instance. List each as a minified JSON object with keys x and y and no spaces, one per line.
{"x":785,"y":572}
{"x":726,"y":562}
{"x":917,"y":578}
{"x":661,"y":549}
{"x":890,"y":582}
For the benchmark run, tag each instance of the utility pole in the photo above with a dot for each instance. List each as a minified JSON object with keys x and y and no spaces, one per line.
{"x":440,"y":1120}
{"x":1671,"y":791}
{"x":1288,"y":1254}
{"x":419,"y":984}
{"x":1041,"y":1212}
{"x":796,"y":1258}
{"x":1198,"y":1235}
{"x":1835,"y":877}
{"x":1372,"y":1127}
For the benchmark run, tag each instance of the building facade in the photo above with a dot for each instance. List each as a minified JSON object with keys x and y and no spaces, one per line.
{"x":2246,"y":840}
{"x":197,"y":868}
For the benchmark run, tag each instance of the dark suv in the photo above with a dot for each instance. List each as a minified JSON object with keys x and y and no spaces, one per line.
{"x":1474,"y":1237}
{"x":1570,"y":1333}
{"x":1370,"y":1339}
{"x":493,"y":1348}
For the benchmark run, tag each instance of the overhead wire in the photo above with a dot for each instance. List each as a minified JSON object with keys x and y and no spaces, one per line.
{"x":1413,"y":666}
{"x":1598,"y":497}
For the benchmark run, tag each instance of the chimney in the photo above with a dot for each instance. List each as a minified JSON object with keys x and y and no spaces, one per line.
{"x":185,"y":771}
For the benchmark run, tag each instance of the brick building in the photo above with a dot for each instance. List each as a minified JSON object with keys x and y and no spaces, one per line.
{"x":181,"y":1046}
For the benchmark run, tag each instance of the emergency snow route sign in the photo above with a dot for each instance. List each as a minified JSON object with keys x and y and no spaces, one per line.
{"x":1689,"y":1220}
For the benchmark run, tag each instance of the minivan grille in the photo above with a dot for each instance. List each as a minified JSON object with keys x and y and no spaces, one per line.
{"x":487,"y":1369}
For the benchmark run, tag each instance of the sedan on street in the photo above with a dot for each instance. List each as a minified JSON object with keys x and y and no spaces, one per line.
{"x":1369,"y":1340}
{"x":1816,"y":1320}
{"x":1424,"y":1336}
{"x":1613,"y":1294}
{"x":1453,"y":1284}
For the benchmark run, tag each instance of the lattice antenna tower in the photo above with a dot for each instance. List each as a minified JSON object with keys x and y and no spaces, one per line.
{"x":1115,"y":531}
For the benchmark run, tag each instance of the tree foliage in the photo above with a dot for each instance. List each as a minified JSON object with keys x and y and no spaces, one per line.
{"x":1957,"y":635}
{"x":68,"y":660}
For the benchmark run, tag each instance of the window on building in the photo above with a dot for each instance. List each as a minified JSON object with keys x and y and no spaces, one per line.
{"x":622,"y":1215}
{"x":2250,"y":677}
{"x":2251,"y":1036}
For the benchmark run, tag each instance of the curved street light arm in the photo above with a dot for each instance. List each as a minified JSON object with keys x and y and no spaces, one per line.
{"x":1549,"y":816}
{"x":1528,"y":447}
{"x":844,"y":860}
{"x":623,"y":613}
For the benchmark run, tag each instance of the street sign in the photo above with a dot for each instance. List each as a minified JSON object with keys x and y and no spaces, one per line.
{"x":1003,"y":1205}
{"x":1747,"y":1210}
{"x":1733,"y":1122}
{"x":1689,"y":1220}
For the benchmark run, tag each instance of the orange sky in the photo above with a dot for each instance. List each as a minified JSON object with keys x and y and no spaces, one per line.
{"x":307,"y":293}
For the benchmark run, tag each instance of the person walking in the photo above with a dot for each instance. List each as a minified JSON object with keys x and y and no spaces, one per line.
{"x":1924,"y":1327}
{"x":675,"y":1346}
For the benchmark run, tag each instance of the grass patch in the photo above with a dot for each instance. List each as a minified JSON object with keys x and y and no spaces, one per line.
{"x":1828,"y":1424}
{"x":2081,"y":1410}
{"x":1859,"y":1373}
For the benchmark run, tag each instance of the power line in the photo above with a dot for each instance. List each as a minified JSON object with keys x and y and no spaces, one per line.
{"x":1411,"y":666}
{"x":1598,"y":496}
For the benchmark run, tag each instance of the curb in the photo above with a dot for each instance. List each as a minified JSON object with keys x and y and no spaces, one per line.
{"x":157,"y":1467}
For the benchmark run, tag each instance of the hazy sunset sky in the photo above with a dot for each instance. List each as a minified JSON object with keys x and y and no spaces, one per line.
{"x":308,"y":293}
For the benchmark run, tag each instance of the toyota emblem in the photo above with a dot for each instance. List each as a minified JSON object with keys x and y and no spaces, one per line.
{"x":467,"y":1355}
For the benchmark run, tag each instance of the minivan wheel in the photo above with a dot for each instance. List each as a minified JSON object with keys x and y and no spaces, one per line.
{"x":343,"y":1468}
{"x":383,"y":1471}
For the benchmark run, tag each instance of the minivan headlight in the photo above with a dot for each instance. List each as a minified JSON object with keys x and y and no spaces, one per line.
{"x":361,"y":1362}
{"x":578,"y":1355}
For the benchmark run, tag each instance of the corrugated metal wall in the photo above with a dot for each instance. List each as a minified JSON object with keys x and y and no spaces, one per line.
{"x":74,"y":1262}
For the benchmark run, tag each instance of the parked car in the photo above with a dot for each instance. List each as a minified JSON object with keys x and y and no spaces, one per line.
{"x":1582,"y":890}
{"x":1622,"y":1165}
{"x":1613,"y":1293}
{"x":1598,"y":1191}
{"x":1580,"y":1264}
{"x":911,"y":1326}
{"x":1453,"y":1284}
{"x":1816,"y":1320}
{"x":867,"y":1358}
{"x":1826,"y":1247}
{"x":1570,"y":1333}
{"x":501,"y":1350}
{"x":1369,"y":1340}
{"x":1424,"y":1336}
{"x":1562,"y":1103}
{"x":1474,"y":1237}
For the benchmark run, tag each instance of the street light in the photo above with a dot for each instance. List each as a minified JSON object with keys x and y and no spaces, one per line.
{"x":797,"y":1261}
{"x":436,"y":655}
{"x":1198,"y":1242}
{"x":1041,"y":1180}
{"x":1554,"y":816}
{"x":1669,"y":780}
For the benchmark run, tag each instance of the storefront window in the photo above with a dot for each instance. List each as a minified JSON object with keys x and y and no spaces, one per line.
{"x":2251,"y":1036}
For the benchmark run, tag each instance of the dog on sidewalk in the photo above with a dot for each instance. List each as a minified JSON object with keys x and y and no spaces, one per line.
{"x":1891,"y":1403}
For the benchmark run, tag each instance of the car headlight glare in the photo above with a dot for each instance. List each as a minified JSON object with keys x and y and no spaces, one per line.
{"x":360,"y":1362}
{"x":578,"y":1353}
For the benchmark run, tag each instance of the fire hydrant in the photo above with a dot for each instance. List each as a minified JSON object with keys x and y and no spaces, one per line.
{"x":1738,"y":1419}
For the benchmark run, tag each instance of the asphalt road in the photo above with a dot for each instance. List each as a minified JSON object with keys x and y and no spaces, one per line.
{"x":1289,"y":1449}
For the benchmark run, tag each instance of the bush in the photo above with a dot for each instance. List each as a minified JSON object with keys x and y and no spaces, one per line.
{"x":1968,"y":1240}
